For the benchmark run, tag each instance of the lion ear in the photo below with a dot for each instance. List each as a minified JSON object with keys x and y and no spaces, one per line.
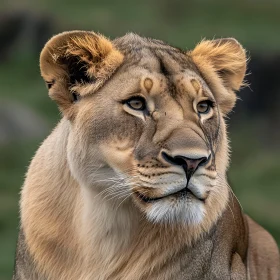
{"x":75,"y":64}
{"x":222,"y":63}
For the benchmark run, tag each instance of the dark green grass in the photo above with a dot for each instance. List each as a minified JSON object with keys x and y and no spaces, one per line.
{"x":183,"y":23}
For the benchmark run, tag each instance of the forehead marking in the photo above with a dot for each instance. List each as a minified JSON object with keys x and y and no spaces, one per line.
{"x":148,"y":84}
{"x":196,"y":85}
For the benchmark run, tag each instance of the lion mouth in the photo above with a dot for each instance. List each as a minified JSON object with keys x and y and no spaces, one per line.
{"x":183,"y":193}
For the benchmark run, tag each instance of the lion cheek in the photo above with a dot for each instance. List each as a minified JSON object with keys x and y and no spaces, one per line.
{"x":119,"y":155}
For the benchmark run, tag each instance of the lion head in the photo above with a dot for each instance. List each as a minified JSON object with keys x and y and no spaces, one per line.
{"x":146,"y":120}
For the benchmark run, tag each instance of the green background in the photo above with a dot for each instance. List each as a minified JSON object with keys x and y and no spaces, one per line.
{"x":255,"y":169}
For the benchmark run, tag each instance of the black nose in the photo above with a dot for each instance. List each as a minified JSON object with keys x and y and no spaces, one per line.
{"x":189,"y":165}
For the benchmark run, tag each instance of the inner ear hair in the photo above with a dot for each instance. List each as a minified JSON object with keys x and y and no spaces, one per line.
{"x":77,"y":70}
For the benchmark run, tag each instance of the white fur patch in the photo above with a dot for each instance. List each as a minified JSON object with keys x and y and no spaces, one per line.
{"x":184,"y":210}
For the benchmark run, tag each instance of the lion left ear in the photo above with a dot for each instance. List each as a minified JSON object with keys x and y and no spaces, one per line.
{"x":222,"y":63}
{"x":75,"y":64}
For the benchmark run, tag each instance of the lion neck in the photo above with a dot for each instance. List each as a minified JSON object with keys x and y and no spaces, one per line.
{"x":100,"y":235}
{"x":119,"y":236}
{"x":108,"y":226}
{"x":120,"y":243}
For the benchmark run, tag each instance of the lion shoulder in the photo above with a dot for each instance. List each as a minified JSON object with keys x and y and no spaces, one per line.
{"x":263,"y":253}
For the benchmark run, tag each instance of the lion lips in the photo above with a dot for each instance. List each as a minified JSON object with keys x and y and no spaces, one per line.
{"x":183,"y":193}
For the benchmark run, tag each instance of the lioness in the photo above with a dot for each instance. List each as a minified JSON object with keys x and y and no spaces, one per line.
{"x":131,"y":184}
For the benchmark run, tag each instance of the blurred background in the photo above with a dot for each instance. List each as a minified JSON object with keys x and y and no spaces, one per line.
{"x":27,"y":115}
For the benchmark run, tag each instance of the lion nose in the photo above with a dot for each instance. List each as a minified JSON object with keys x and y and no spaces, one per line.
{"x":189,"y":165}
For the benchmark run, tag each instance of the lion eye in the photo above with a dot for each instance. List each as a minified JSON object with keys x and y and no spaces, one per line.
{"x":136,"y":103}
{"x":203,"y":107}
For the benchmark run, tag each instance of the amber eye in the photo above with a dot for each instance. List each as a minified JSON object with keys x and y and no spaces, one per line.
{"x":203,"y":107}
{"x":136,"y":103}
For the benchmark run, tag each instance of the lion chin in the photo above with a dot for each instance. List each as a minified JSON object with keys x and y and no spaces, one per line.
{"x":131,"y":184}
{"x":181,"y":211}
{"x":185,"y":203}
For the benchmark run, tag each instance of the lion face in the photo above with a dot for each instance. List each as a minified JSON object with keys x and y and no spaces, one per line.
{"x":146,"y":120}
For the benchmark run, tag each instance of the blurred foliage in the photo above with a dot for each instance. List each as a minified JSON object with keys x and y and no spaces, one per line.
{"x":254,"y":173}
{"x":184,"y":23}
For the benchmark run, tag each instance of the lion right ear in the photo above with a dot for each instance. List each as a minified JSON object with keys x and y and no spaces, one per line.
{"x":222,"y":63}
{"x":75,"y":64}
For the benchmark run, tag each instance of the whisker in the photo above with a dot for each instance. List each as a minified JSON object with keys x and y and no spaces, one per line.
{"x":124,"y":200}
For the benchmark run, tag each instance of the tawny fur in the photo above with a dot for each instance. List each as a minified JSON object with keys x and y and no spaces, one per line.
{"x":97,"y":52}
{"x":81,"y":214}
{"x":222,"y":64}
